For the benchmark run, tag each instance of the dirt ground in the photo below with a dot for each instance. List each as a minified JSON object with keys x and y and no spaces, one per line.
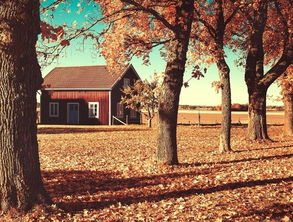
{"x":102,"y":173}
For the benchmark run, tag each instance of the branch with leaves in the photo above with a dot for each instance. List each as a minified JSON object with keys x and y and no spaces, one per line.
{"x":143,"y":97}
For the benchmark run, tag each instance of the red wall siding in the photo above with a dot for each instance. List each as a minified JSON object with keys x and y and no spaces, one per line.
{"x":82,"y":97}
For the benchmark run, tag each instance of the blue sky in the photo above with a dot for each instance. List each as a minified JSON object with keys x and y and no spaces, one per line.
{"x":200,"y":92}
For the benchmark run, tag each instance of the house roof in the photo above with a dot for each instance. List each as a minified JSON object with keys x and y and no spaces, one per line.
{"x":82,"y":77}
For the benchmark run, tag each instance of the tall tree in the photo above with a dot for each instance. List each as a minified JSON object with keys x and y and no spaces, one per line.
{"x":216,"y":20}
{"x":172,"y":83}
{"x":286,"y":82}
{"x":266,"y":19}
{"x":21,"y":185}
{"x":135,"y":27}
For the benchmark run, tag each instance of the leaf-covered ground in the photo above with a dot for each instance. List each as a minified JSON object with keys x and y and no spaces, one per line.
{"x":110,"y":174}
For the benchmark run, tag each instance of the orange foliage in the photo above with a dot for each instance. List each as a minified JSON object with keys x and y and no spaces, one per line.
{"x":286,"y":81}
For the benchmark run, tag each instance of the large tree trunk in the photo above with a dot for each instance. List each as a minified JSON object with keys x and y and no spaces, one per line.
{"x":225,"y":134}
{"x":172,"y":83}
{"x":288,"y":117}
{"x":257,"y":82}
{"x":254,"y":72}
{"x":224,"y":73}
{"x":20,"y":178}
{"x":168,"y":111}
{"x":257,"y":123}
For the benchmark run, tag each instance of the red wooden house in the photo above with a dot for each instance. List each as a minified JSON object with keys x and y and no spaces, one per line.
{"x":86,"y":95}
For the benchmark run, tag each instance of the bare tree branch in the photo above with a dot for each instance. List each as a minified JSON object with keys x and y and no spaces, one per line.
{"x":152,"y":12}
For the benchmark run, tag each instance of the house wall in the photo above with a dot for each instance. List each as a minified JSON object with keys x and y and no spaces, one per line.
{"x":116,"y":98}
{"x":81,"y":97}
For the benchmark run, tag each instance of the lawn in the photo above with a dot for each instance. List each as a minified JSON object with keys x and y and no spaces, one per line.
{"x":110,"y":174}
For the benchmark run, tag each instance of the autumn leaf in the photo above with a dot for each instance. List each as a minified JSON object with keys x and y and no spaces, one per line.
{"x":102,"y":173}
{"x":65,"y":42}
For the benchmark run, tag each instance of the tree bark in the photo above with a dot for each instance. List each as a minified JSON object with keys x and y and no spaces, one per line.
{"x":257,"y":123}
{"x":172,"y":83}
{"x":224,"y":73}
{"x":254,"y":72}
{"x":20,"y":178}
{"x":257,"y":82}
{"x":288,"y":117}
{"x":225,"y":134}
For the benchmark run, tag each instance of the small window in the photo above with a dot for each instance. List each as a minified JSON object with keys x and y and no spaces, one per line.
{"x":93,"y":109}
{"x":126,"y":82}
{"x":54,"y":109}
{"x":133,"y":114}
{"x":120,"y":110}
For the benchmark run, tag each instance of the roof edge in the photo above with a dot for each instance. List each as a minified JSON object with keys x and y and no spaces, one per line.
{"x":124,"y":72}
{"x":79,"y":66}
{"x":85,"y":89}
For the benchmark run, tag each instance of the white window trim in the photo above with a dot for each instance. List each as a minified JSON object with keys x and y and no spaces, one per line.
{"x":98,"y":109}
{"x":53,"y":104}
{"x":110,"y":108}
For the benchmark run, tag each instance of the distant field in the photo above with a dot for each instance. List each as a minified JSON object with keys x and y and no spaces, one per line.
{"x":214,"y":117}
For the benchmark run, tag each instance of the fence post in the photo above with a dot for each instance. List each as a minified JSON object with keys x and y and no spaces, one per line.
{"x":198,"y":118}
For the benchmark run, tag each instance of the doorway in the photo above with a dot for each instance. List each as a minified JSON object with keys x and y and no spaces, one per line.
{"x":73,"y":113}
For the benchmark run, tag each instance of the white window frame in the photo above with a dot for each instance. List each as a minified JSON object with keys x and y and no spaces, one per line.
{"x":53,"y":109}
{"x":118,"y":106}
{"x":97,"y":111}
{"x":126,"y":82}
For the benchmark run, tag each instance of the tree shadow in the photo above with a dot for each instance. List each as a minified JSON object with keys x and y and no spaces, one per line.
{"x":62,"y":183}
{"x":264,"y":148}
{"x":78,"y":183}
{"x":65,"y":130}
{"x":284,"y":156}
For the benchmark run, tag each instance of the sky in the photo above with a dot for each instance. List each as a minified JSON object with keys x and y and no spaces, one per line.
{"x":199,"y":92}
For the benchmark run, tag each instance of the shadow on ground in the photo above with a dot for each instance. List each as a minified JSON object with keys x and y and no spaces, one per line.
{"x":284,"y":156}
{"x":108,"y":188}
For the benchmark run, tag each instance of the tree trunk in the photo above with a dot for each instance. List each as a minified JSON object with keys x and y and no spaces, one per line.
{"x":224,"y":73}
{"x":254,"y":72}
{"x":168,"y":111}
{"x":172,"y":83}
{"x":225,"y":134}
{"x":20,"y":178}
{"x":257,"y":123}
{"x":288,"y":117}
{"x":257,"y":82}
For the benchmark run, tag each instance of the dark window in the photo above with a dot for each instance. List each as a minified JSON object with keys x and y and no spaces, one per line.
{"x":120,"y":110}
{"x":53,"y":109}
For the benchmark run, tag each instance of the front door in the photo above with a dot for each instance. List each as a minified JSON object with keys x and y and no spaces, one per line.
{"x":72,"y":113}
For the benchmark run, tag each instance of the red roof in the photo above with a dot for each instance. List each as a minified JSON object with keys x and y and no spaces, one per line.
{"x":81,"y":77}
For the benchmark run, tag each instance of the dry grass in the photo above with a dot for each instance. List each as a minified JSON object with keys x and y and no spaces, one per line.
{"x":214,"y":117}
{"x":108,"y":174}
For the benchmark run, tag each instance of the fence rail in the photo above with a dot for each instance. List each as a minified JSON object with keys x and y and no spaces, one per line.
{"x":119,"y":120}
